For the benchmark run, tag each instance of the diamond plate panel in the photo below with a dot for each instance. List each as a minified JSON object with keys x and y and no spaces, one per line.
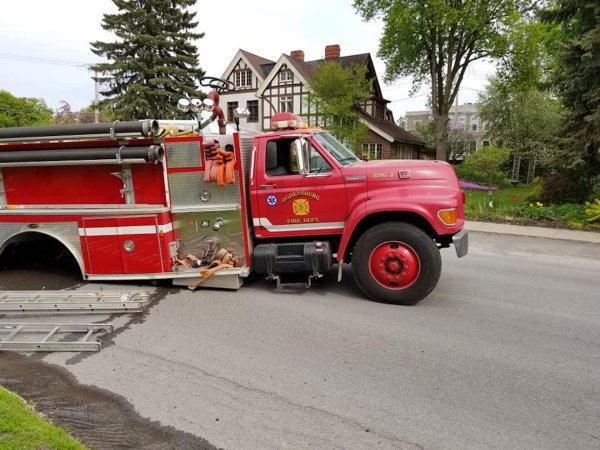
{"x":186,"y":188}
{"x":183,"y":154}
{"x":246,"y":151}
{"x":229,"y":281}
{"x":2,"y":191}
{"x":65,"y":232}
{"x":191,"y":236}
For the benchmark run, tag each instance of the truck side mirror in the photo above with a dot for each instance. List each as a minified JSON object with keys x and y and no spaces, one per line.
{"x":302,"y":151}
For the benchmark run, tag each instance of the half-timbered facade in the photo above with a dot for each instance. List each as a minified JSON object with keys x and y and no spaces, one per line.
{"x":247,"y":72}
{"x":282,"y":86}
{"x":286,"y":90}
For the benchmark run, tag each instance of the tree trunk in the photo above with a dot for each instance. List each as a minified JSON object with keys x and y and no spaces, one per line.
{"x":441,"y":136}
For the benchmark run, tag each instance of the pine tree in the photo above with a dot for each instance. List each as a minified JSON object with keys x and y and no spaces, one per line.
{"x":578,"y":85}
{"x":153,"y":62}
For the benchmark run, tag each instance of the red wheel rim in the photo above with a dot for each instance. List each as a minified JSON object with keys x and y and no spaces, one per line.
{"x":394,"y":265}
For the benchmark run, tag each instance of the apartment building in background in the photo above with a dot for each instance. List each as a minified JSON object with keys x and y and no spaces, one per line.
{"x":465,"y":123}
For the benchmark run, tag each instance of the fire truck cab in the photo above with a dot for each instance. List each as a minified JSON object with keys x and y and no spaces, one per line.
{"x":136,"y":200}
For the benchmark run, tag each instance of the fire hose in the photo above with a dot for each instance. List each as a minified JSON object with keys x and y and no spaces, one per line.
{"x":113,"y":130}
{"x":220,"y":164}
{"x":223,"y":259}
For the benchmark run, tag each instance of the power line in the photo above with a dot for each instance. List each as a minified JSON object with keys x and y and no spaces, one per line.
{"x":408,"y":98}
{"x":50,"y":61}
{"x":56,"y":62}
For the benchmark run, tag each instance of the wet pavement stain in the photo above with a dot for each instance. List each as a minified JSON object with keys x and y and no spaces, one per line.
{"x":109,"y":339}
{"x":98,"y":418}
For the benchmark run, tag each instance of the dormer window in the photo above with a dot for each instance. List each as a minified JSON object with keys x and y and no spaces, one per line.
{"x":286,"y":76}
{"x":243,"y":78}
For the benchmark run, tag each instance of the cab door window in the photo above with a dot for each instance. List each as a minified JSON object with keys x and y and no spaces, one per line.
{"x":278,"y":158}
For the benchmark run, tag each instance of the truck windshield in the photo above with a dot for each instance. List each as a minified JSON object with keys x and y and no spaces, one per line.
{"x":336,"y":149}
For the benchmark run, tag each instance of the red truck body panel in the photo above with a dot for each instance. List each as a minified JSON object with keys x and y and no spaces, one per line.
{"x":335,"y":203}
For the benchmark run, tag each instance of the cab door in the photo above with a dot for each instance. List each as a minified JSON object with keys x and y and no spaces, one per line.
{"x":293,"y":204}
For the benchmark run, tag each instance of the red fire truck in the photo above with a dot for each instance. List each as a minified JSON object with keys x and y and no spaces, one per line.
{"x":132,"y":201}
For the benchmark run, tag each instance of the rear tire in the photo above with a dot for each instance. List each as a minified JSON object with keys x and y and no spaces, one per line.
{"x":396,"y":262}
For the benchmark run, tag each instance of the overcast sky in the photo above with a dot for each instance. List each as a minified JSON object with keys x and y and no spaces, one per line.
{"x":58,"y":33}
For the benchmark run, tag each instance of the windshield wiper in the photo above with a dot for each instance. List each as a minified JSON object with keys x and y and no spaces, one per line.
{"x":348,"y":158}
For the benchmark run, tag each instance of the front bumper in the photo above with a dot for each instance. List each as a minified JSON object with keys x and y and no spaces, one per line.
{"x":461,"y":243}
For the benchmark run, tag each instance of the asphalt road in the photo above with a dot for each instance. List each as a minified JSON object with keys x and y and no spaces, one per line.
{"x":505,"y":353}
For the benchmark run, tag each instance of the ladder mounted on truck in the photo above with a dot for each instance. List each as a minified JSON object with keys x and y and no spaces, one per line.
{"x":52,"y":302}
{"x":25,"y":337}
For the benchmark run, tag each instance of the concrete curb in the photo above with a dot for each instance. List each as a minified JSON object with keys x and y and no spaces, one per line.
{"x":548,"y":233}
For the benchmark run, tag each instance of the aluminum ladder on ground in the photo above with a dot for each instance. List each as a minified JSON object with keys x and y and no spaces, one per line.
{"x":81,"y":302}
{"x":11,"y":334}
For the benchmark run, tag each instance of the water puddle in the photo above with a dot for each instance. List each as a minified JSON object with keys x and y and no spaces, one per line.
{"x":98,"y":418}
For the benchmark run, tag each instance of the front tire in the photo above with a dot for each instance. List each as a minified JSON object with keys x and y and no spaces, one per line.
{"x":396,"y":262}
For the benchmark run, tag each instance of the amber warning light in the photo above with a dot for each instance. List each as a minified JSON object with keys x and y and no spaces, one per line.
{"x":448,"y":216}
{"x":286,"y":120}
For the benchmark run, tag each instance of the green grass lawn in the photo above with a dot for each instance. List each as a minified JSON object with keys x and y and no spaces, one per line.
{"x":22,"y":429}
{"x":505,"y":201}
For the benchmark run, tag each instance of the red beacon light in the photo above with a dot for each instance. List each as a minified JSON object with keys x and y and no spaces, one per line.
{"x":287,"y":120}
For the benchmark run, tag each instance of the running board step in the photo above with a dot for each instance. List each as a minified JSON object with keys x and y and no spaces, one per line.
{"x":21,"y":337}
{"x":39,"y":302}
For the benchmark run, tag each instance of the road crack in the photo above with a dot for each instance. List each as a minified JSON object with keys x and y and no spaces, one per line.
{"x":273,"y":395}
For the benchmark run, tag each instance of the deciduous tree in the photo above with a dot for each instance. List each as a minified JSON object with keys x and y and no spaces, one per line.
{"x":335,"y":92}
{"x":524,"y":119}
{"x":20,"y":111}
{"x":65,"y":114}
{"x":88,"y":114}
{"x":437,"y":40}
{"x":153,"y":61}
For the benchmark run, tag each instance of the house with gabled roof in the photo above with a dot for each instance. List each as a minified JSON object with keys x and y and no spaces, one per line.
{"x":267,"y":87}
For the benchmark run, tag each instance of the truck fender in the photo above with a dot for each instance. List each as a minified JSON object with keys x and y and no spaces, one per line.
{"x":73,"y":251}
{"x":382,"y":209}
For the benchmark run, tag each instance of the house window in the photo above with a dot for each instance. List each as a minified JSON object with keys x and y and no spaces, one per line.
{"x":243,"y":78}
{"x":286,"y":76}
{"x":405,"y":152}
{"x":252,"y":106}
{"x":373,"y":151}
{"x":230,"y":107}
{"x":475,"y":122}
{"x":286,"y":104}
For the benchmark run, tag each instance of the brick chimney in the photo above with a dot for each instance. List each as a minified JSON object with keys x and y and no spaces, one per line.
{"x":297,"y":54}
{"x":332,"y":51}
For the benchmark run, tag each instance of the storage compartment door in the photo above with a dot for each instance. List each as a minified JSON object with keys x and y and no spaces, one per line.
{"x":123,"y":245}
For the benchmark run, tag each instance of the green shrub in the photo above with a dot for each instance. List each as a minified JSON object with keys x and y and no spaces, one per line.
{"x":535,"y":193}
{"x":595,"y":189}
{"x":592,"y":211}
{"x":565,"y":187}
{"x":483,"y":166}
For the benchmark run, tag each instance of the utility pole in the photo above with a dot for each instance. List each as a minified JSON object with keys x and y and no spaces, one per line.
{"x":96,"y":89}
